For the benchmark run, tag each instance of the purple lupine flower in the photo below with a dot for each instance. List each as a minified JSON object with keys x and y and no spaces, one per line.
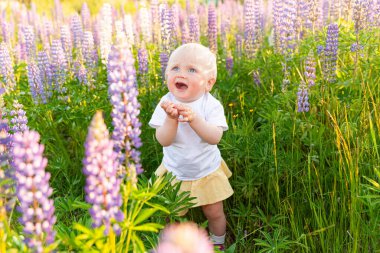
{"x":145,"y":24}
{"x":59,"y":65}
{"x":66,"y":42}
{"x":212,"y":29}
{"x":194,"y":28}
{"x":19,"y":120}
{"x":6,"y":172}
{"x":185,"y":36}
{"x":167,"y":28}
{"x":224,"y":28}
{"x":142,"y":56}
{"x":331,"y":52}
{"x":105,"y":32}
{"x":334,"y":11}
{"x":356,"y":47}
{"x":154,"y":13}
{"x":310,"y":70}
{"x":21,"y":54}
{"x":249,"y":28}
{"x":288,"y":29}
{"x":259,"y":20}
{"x":125,"y":106}
{"x":82,"y":75}
{"x":80,"y":72}
{"x":86,"y":17}
{"x":303,"y":98}
{"x":4,"y":141}
{"x":325,"y":11}
{"x":6,"y":69}
{"x":33,"y":191}
{"x":45,"y":71}
{"x":89,"y":50}
{"x":102,"y":183}
{"x":229,"y":63}
{"x":256,"y":78}
{"x":239,"y":45}
{"x":315,"y":15}
{"x":359,"y":16}
{"x":6,"y":32}
{"x":320,"y":49}
{"x":35,"y":83}
{"x":176,"y":23}
{"x":164,"y":63}
{"x":77,"y":31}
{"x":30,"y":42}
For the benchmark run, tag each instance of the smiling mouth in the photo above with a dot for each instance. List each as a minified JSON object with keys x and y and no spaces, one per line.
{"x":181,"y":86}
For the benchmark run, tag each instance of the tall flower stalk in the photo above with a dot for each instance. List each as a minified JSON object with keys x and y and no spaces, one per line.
{"x":212,"y":29}
{"x":331,"y":53}
{"x":102,"y":183}
{"x":33,"y":190}
{"x":7,"y":78}
{"x":125,"y":106}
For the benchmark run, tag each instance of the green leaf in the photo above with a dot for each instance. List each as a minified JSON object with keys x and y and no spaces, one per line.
{"x":231,"y":249}
{"x":144,"y":214}
{"x":159,"y":207}
{"x":151,"y":227}
{"x":82,"y":229}
{"x":137,"y":243}
{"x":81,"y":205}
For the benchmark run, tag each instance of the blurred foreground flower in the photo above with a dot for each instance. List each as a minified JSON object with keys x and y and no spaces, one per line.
{"x":33,"y":190}
{"x":184,"y":238}
{"x":102,"y":184}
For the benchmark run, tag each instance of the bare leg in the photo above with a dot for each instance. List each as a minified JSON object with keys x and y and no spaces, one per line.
{"x":216,"y":218}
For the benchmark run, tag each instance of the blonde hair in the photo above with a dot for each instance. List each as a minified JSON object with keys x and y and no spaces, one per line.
{"x":201,"y":54}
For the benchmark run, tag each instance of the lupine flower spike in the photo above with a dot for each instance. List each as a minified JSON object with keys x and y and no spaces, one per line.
{"x":303,"y":98}
{"x":125,"y":106}
{"x":310,"y":69}
{"x":33,"y":190}
{"x":331,"y":52}
{"x":102,"y":183}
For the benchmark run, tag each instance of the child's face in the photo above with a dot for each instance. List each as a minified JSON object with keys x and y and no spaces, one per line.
{"x":187,"y":77}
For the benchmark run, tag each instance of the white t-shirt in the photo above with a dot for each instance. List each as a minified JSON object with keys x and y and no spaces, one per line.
{"x":189,"y":157}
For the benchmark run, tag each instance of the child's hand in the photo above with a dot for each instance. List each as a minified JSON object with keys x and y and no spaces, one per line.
{"x":187,"y":113}
{"x":170,"y":109}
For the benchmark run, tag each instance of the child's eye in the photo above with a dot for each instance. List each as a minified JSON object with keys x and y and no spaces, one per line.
{"x":175,"y":68}
{"x":192,"y":70}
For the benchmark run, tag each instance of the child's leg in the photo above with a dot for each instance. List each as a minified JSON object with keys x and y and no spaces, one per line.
{"x":216,"y":218}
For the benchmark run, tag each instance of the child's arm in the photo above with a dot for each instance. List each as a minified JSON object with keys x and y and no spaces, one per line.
{"x":166,"y":133}
{"x":208,"y":132}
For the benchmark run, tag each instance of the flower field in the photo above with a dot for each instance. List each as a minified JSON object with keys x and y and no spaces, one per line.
{"x":300,"y":85}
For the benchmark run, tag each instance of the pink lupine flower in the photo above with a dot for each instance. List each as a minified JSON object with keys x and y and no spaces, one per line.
{"x":184,"y":238}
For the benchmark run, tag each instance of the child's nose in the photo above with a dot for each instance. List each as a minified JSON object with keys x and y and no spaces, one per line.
{"x":181,"y":74}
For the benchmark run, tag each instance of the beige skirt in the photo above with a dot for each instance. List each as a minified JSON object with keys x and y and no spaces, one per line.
{"x":206,"y":190}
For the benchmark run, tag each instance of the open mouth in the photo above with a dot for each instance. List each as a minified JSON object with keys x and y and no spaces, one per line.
{"x":181,"y":86}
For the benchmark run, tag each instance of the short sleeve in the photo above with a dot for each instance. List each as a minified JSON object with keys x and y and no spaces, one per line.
{"x":158,"y":117}
{"x":215,"y":115}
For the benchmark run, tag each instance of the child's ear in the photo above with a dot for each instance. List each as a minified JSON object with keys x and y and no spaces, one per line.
{"x":210,"y":83}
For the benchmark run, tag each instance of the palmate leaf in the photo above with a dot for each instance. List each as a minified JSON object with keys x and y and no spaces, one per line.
{"x":89,"y":237}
